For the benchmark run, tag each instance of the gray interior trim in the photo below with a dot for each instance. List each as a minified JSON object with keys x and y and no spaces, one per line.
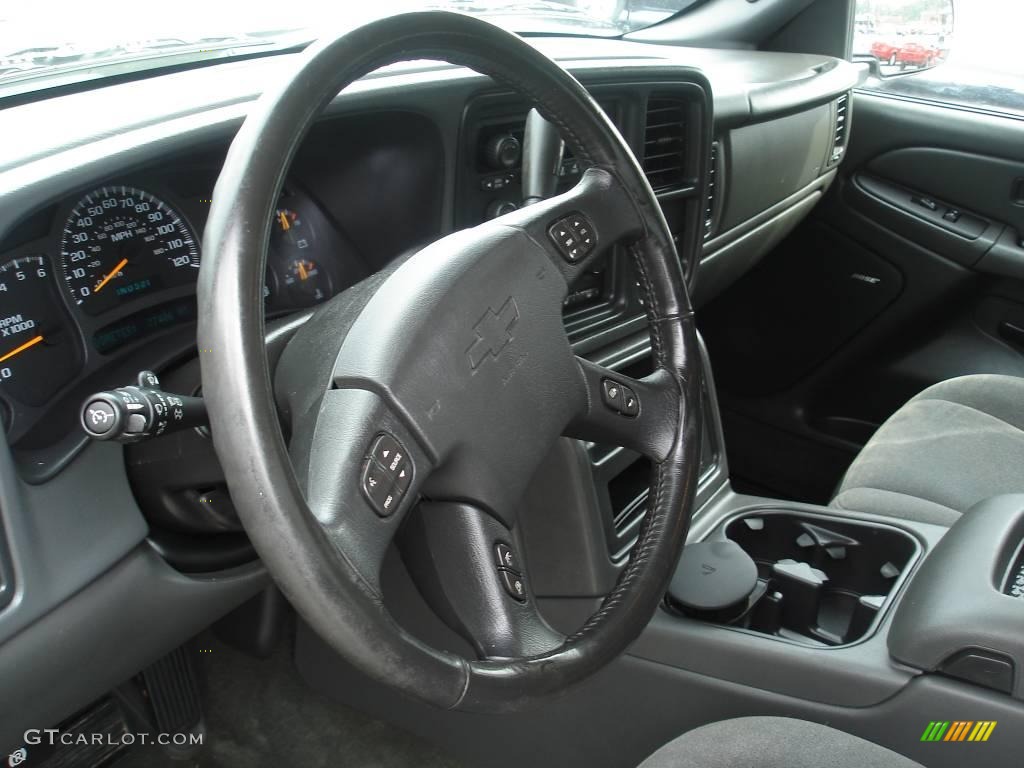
{"x":722,"y":267}
{"x":856,"y":675}
{"x":64,"y":533}
{"x":818,"y":185}
{"x":733,"y":22}
{"x":136,"y":612}
{"x":660,"y":702}
{"x":882,"y":127}
{"x":957,"y":600}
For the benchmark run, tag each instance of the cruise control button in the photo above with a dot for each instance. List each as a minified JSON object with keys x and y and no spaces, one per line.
{"x":630,"y":403}
{"x":514,"y":584}
{"x":611,"y":393}
{"x":505,"y":557}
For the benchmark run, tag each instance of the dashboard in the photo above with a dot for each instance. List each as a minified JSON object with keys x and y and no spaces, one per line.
{"x":103,"y":279}
{"x":101,"y":241}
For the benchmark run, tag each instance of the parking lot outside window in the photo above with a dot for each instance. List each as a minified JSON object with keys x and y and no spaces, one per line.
{"x":961,"y":53}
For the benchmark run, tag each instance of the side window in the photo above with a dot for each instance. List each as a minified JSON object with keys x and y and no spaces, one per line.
{"x":959,"y":52}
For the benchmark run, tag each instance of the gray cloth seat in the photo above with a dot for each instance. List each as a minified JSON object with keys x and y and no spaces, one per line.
{"x":772,"y":742}
{"x":955,"y":444}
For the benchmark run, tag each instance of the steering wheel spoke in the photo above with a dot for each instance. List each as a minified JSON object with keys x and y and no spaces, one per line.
{"x":582,"y":224}
{"x":361,"y":472}
{"x":470,"y":569}
{"x":639,"y":414}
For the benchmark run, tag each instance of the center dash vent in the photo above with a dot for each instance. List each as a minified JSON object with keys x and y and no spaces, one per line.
{"x":665,"y":143}
{"x":842,"y":131}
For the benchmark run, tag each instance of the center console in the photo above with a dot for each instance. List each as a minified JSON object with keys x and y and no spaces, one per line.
{"x":963,"y":615}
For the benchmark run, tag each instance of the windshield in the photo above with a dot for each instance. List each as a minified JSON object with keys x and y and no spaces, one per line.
{"x":80,"y":41}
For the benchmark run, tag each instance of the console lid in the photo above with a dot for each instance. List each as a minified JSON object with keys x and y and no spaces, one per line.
{"x":961,"y":614}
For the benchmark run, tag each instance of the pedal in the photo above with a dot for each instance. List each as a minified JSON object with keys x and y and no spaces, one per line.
{"x":90,"y":739}
{"x":160,"y":707}
{"x":172,"y":689}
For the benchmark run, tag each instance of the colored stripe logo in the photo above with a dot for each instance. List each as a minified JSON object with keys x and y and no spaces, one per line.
{"x":958,"y":730}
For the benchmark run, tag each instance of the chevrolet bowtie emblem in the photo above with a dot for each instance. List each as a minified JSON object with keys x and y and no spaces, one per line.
{"x":492,"y":333}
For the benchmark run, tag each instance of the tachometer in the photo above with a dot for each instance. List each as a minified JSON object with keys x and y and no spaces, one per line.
{"x":121,"y":243}
{"x":38,"y":352}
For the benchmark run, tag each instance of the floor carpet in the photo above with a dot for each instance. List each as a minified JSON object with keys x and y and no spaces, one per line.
{"x":259,"y":713}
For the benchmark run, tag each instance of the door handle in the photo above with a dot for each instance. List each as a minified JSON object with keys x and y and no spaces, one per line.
{"x":1017,"y":192}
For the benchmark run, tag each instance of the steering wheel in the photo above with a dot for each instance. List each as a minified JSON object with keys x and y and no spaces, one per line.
{"x":430,"y":393}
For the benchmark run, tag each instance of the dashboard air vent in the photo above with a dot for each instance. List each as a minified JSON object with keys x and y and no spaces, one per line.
{"x":842,"y":131}
{"x":664,"y":143}
{"x":713,"y":190}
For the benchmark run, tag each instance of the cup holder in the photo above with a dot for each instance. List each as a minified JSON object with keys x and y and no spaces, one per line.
{"x":821,"y":580}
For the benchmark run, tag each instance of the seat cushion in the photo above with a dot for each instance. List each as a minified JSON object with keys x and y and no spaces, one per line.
{"x":955,"y":444}
{"x":772,"y":742}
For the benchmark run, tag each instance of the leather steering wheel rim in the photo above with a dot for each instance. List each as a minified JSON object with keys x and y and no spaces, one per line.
{"x":314,"y":542}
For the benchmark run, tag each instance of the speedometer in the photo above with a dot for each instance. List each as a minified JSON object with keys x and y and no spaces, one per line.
{"x":122,"y":243}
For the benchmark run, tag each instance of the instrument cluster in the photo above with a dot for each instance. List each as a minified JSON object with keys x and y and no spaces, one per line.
{"x":115,"y":268}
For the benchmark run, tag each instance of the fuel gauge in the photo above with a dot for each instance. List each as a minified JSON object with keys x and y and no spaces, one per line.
{"x":307,"y":282}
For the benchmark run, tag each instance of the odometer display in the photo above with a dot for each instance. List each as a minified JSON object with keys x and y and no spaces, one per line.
{"x":122,"y":243}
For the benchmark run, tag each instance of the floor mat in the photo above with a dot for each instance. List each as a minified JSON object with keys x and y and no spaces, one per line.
{"x":259,"y":713}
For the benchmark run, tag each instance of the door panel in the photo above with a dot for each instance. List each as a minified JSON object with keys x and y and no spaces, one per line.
{"x":877,"y":295}
{"x":991,"y":186}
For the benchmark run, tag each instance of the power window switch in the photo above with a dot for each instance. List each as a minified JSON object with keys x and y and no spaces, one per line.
{"x":952,"y":215}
